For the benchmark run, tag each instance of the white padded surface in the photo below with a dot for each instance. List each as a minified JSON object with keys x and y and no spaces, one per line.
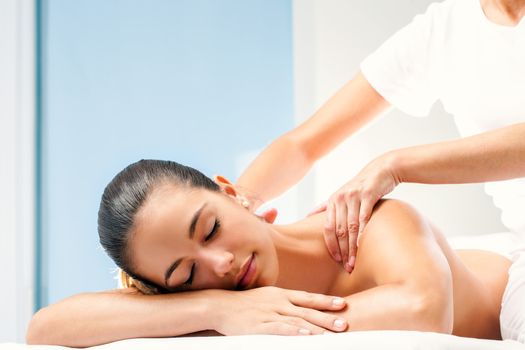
{"x":391,"y":340}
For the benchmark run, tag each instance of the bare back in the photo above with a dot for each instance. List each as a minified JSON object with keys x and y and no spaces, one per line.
{"x":479,"y":279}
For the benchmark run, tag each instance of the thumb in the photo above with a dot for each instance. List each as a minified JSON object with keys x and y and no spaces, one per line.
{"x":269,"y":215}
{"x":319,"y":209}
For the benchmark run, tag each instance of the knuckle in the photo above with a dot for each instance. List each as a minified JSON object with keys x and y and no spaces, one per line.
{"x":353,"y":192}
{"x":364,"y":218}
{"x":341,"y":233}
{"x":353,"y":227}
{"x":308,"y":297}
{"x":340,"y":196}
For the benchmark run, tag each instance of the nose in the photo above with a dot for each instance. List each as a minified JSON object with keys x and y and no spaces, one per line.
{"x":221,"y":262}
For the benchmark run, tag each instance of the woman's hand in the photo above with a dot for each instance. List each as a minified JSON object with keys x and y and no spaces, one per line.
{"x":350,"y":207}
{"x":272,"y":310}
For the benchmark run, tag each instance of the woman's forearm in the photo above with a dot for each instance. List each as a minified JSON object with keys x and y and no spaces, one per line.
{"x":95,"y":318}
{"x":490,"y":156}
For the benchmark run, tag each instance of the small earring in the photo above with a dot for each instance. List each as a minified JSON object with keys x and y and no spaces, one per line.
{"x":243,"y":201}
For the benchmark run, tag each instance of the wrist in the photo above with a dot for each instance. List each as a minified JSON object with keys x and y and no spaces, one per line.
{"x":213,"y":311}
{"x":395,"y":163}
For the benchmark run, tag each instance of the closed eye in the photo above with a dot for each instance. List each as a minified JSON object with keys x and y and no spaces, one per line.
{"x":190,"y":279}
{"x":213,"y":231}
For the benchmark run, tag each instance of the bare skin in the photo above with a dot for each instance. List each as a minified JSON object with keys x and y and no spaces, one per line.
{"x":407,"y":277}
{"x":504,"y":12}
{"x":479,"y":158}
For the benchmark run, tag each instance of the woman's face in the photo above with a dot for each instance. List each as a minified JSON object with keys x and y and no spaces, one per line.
{"x":188,"y":239}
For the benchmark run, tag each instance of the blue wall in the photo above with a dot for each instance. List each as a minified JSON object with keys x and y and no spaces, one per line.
{"x":194,"y":81}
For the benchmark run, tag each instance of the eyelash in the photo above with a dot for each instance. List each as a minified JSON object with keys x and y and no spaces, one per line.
{"x":213,"y":232}
{"x":190,"y":279}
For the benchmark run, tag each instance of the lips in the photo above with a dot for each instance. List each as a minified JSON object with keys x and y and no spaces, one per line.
{"x":246,"y":273}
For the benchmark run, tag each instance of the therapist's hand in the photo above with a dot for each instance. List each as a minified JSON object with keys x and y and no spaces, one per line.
{"x":245,"y":198}
{"x":348,"y":210}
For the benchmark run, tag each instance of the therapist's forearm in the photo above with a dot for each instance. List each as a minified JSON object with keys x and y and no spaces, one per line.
{"x":95,"y":318}
{"x":490,"y":156}
{"x":288,"y":159}
{"x":277,"y":168}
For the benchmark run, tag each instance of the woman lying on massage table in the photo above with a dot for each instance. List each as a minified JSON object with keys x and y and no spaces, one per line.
{"x":172,"y":229}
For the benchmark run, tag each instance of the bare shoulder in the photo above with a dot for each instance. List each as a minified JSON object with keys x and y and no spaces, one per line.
{"x":394,"y":216}
{"x":397,"y":243}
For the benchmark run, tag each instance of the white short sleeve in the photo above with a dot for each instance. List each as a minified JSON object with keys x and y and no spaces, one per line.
{"x":404,"y":69}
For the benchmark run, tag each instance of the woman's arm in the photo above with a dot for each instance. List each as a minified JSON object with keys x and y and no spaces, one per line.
{"x":287,"y":159}
{"x":95,"y":318}
{"x":409,"y":275}
{"x":90,"y":319}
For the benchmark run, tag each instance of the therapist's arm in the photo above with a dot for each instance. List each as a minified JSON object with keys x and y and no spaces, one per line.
{"x":491,"y":156}
{"x":285,"y":161}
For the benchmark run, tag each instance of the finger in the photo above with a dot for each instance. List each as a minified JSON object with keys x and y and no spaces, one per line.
{"x":269,"y":215}
{"x":303,"y":324}
{"x":365,"y":212}
{"x":353,"y":231}
{"x":320,"y":319}
{"x":329,"y":233}
{"x":282,"y":328}
{"x":341,"y":228}
{"x":315,"y":301}
{"x":319,"y":209}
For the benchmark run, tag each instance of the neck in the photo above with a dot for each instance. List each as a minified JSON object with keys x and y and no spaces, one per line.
{"x":506,"y":12}
{"x":302,"y":254}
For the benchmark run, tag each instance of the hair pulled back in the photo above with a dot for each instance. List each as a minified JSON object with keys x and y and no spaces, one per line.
{"x":125,"y":195}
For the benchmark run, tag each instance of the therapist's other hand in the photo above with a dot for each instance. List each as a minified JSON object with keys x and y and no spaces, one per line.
{"x":272,"y":310}
{"x":248,"y":200}
{"x":349,"y":208}
{"x":269,"y":215}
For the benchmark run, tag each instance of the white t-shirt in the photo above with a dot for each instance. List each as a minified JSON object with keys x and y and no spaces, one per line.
{"x":475,"y":67}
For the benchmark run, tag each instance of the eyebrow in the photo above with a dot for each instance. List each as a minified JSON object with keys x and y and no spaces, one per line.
{"x":191,"y":230}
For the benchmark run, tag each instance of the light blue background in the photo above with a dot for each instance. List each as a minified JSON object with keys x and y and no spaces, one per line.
{"x":195,"y":81}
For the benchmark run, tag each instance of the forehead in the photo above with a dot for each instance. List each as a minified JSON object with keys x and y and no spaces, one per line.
{"x":168,"y":209}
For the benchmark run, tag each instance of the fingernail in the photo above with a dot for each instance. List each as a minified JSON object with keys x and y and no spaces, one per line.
{"x":349,"y":268}
{"x":338,"y":257}
{"x":338,"y":302}
{"x":351,"y":262}
{"x":304,"y":331}
{"x":339,"y":323}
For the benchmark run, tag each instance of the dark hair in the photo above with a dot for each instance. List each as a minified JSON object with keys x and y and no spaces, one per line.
{"x":125,"y":195}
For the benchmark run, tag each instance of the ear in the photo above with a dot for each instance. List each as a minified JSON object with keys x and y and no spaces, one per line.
{"x":228,"y":188}
{"x":225,"y":185}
